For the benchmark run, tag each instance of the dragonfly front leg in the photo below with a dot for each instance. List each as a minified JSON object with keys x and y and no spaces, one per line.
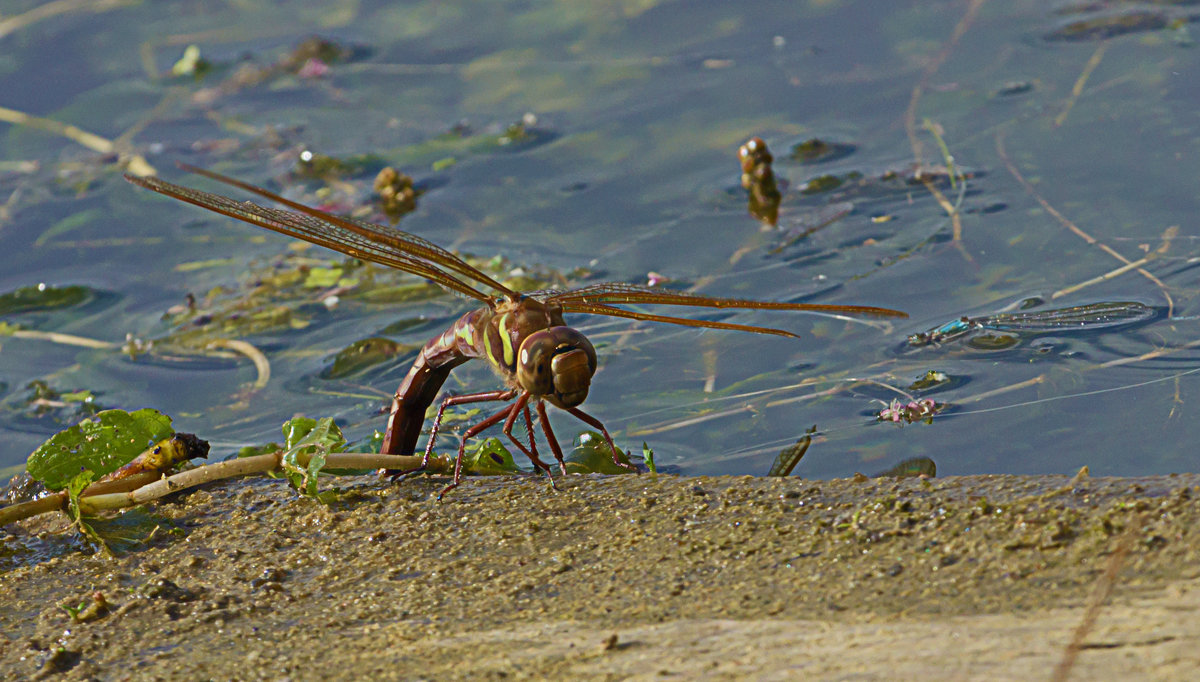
{"x":465,"y":399}
{"x":541,"y":410}
{"x":462,"y":444}
{"x":487,"y":396}
{"x":522,"y":407}
{"x":595,"y":423}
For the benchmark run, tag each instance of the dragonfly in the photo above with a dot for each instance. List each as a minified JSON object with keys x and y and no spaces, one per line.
{"x":1080,"y":318}
{"x":522,"y":336}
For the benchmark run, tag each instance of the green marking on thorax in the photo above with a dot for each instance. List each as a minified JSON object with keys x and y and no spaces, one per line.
{"x":506,"y":339}
{"x":466,"y":332}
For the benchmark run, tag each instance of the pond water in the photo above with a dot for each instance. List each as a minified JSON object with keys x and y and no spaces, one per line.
{"x":585,"y":142}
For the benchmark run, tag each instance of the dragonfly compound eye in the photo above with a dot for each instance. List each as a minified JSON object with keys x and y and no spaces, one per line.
{"x":534,"y":363}
{"x":557,"y":363}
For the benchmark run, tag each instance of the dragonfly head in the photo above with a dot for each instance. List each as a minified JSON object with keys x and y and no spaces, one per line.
{"x":557,"y":363}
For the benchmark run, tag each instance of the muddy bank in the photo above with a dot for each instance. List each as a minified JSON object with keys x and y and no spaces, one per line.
{"x":638,"y":576}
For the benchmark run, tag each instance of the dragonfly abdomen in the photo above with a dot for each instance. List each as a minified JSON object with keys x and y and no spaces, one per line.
{"x":425,"y":378}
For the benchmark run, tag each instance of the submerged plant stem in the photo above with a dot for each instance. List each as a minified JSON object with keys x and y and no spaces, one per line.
{"x":261,"y":364}
{"x":133,"y":163}
{"x":65,"y":339}
{"x":1080,"y":82}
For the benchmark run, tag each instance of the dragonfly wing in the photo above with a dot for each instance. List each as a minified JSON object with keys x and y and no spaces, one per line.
{"x":601,"y":309}
{"x":615,"y":292}
{"x":398,"y":239}
{"x":322,"y":229}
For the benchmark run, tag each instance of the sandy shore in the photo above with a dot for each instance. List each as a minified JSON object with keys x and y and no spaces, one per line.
{"x":628,"y":577}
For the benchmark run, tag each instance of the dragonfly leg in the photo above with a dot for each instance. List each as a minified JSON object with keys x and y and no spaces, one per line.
{"x":541,"y":408}
{"x":462,"y":444}
{"x":595,"y":423}
{"x":522,"y":407}
{"x":437,"y":421}
{"x":529,"y":429}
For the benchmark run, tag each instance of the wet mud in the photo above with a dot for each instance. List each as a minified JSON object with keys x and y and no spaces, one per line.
{"x":620,"y":577}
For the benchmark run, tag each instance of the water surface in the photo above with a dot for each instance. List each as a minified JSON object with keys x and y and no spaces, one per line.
{"x":632,"y":169}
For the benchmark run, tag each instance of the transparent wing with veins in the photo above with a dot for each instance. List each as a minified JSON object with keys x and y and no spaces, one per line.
{"x":356,"y":238}
{"x":598,"y":299}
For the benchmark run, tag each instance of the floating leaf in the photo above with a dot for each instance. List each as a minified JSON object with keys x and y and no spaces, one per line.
{"x":256,"y":450}
{"x":323,"y":278}
{"x":489,"y":458}
{"x":362,"y":354}
{"x":42,"y":297}
{"x":101,"y":445}
{"x":819,"y":151}
{"x":593,"y":456}
{"x":370,"y":444}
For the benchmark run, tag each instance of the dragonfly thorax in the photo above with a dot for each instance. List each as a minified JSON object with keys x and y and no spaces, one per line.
{"x":557,"y":363}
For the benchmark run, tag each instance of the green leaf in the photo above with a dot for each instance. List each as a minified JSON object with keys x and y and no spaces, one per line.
{"x":322,"y":278}
{"x":295,"y":429}
{"x":74,"y":487}
{"x":489,"y":458}
{"x":593,"y":456}
{"x":648,"y":457}
{"x":311,"y":439}
{"x":787,"y":460}
{"x":102,"y":444}
{"x":74,"y":611}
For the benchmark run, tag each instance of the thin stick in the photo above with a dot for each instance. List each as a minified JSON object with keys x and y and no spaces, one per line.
{"x":65,"y":339}
{"x":1150,"y":355}
{"x":1003,"y":389}
{"x":910,"y":120}
{"x":57,"y":501}
{"x":90,"y":140}
{"x":1103,"y":590}
{"x":134,"y":163}
{"x":1075,"y":229}
{"x":1080,"y":82}
{"x":53,"y":9}
{"x":241,"y":467}
{"x":1103,"y":278}
{"x":690,"y":421}
{"x":910,"y":115}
